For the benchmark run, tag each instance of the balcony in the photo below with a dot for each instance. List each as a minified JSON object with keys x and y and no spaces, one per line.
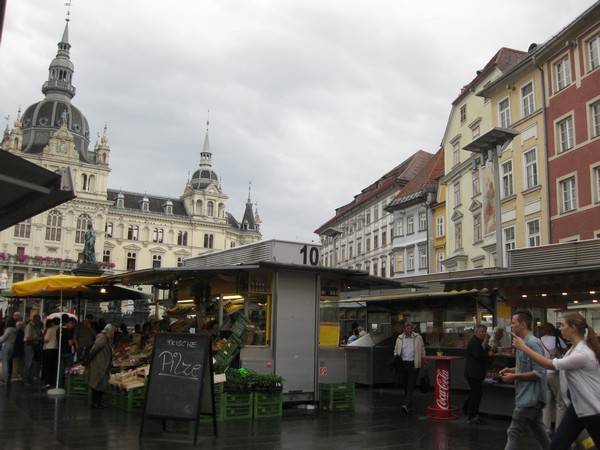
{"x":24,"y":261}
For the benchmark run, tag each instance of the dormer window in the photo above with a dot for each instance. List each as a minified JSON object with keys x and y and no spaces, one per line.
{"x":168,"y":208}
{"x":120,"y":200}
{"x":145,"y":204}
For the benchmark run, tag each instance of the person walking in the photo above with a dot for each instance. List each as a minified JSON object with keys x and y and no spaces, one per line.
{"x":410,"y":347}
{"x":100,"y":360}
{"x":530,"y":386}
{"x":476,"y":363}
{"x":579,"y":373}
{"x":33,"y":350}
{"x":8,"y":342}
{"x":555,"y":347}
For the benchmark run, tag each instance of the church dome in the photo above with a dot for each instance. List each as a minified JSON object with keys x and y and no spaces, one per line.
{"x":203,"y":177}
{"x":43,"y":118}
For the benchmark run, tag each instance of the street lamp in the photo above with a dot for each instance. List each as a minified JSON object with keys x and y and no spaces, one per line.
{"x":490,"y":146}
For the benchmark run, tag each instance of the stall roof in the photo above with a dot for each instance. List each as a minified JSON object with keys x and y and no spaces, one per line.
{"x":28,"y":189}
{"x":165,"y":275}
{"x":410,"y":296}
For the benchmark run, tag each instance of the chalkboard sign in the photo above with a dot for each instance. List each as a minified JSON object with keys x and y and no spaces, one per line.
{"x":179,"y":363}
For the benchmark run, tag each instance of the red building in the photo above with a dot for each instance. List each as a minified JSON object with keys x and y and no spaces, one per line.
{"x":571,"y":65}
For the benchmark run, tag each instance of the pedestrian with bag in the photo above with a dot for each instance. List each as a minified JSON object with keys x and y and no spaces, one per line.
{"x":410,"y":347}
{"x":579,"y":373}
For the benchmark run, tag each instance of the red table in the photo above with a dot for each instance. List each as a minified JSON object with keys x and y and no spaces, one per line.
{"x":442,"y":409}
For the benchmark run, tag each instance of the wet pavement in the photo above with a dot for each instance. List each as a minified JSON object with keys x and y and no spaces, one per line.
{"x":31,"y":420}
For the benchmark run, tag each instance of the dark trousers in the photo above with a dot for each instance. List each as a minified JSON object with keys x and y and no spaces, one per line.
{"x":570,"y":427}
{"x":409,"y":378}
{"x":96,"y":397}
{"x":50,"y":364}
{"x":475,"y":395}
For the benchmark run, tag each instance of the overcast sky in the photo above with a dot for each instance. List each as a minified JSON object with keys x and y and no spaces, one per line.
{"x":311,"y":100}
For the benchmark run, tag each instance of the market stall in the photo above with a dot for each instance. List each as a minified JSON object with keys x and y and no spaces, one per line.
{"x":283,"y":291}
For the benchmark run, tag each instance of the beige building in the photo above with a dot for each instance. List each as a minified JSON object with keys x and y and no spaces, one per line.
{"x":133,"y":230}
{"x":517,"y":103}
{"x":469,"y":221}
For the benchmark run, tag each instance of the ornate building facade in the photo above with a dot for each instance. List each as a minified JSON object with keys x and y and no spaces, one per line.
{"x":133,"y":230}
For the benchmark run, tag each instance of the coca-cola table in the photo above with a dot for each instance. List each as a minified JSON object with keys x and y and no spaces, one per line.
{"x":442,"y":408}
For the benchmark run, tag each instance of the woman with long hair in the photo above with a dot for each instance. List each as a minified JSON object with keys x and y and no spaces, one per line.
{"x":579,"y":380}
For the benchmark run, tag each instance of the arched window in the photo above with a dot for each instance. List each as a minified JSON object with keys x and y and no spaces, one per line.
{"x":211,"y":239}
{"x":91,"y":183}
{"x":82,"y":224}
{"x":210,"y":206}
{"x":54,"y":226}
{"x":106,"y":256}
{"x":131,"y":257}
{"x":133,"y":232}
{"x":23,"y":229}
{"x":206,"y":241}
{"x":182,"y":238}
{"x":156,"y":260}
{"x":179,"y":261}
{"x":84,"y":182}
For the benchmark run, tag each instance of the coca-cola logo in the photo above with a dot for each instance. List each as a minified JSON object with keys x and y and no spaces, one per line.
{"x":442,"y":381}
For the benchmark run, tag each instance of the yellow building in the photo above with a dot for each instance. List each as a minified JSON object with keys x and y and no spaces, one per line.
{"x":517,"y":103}
{"x":470,"y":234}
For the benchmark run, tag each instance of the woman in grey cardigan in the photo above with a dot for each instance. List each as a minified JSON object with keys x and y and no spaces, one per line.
{"x":99,"y":366}
{"x":8,"y":344}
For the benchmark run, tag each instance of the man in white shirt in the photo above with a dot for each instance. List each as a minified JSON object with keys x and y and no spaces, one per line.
{"x":410,"y":347}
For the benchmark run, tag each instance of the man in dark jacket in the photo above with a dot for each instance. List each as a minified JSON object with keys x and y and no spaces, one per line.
{"x":475,"y":367}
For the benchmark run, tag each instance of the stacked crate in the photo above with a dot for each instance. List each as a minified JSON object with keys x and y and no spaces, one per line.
{"x":76,"y":385}
{"x":237,"y":340}
{"x":267,"y":404}
{"x":336,"y":396}
{"x":128,"y":400}
{"x":206,"y":415}
{"x":238,"y":405}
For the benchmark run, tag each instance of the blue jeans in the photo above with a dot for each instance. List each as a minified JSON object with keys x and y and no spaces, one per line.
{"x":529,"y":416}
{"x":570,"y":427}
{"x":66,"y":361}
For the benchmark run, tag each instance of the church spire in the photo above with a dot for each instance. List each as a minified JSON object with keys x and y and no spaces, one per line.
{"x":60,"y":73}
{"x":206,"y":155}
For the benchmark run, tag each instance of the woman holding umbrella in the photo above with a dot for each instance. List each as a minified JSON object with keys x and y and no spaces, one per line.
{"x":99,"y":365}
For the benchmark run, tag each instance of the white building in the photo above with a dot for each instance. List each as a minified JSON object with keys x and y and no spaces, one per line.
{"x":133,"y":230}
{"x":360,"y":234}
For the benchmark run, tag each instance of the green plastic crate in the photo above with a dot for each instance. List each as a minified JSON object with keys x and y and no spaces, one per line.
{"x":336,"y":396}
{"x":238,"y":405}
{"x":128,"y":400}
{"x":267,"y":404}
{"x":240,"y":326}
{"x":227,"y":354}
{"x":76,"y":385}
{"x":206,"y":410}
